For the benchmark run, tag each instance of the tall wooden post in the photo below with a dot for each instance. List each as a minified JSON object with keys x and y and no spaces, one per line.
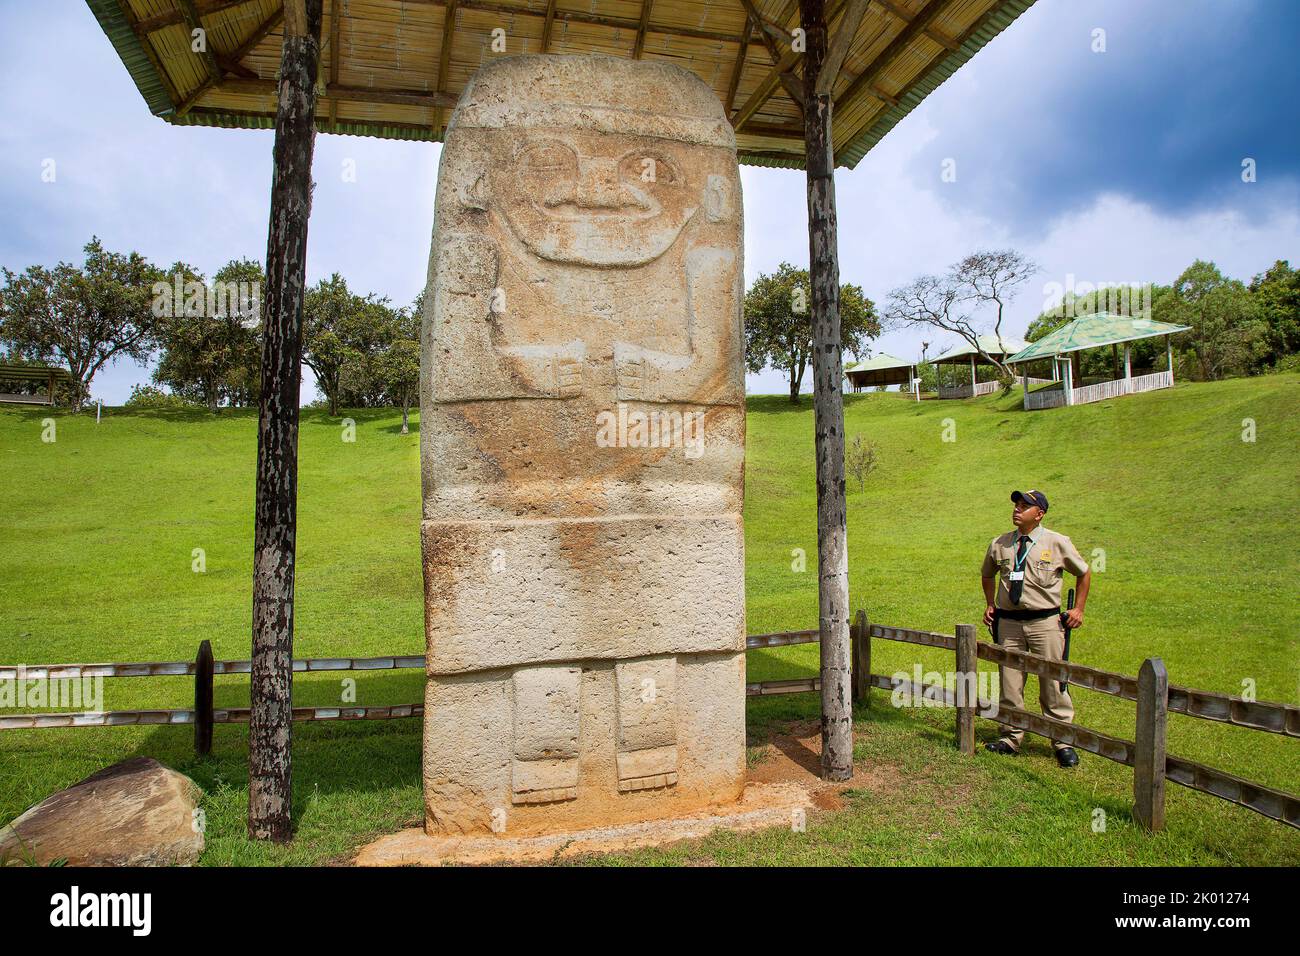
{"x":1149,"y":745}
{"x":828,"y":405}
{"x":967,"y":687}
{"x":204,"y":668}
{"x":861,"y":661}
{"x":271,"y":685}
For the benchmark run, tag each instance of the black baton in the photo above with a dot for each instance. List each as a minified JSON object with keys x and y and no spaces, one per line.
{"x":1065,"y":622}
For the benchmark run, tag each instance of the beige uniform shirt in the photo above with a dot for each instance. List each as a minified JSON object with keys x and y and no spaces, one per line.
{"x":1050,"y":555}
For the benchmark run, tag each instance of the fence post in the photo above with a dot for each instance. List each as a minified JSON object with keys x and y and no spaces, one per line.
{"x":966,"y":688}
{"x":1149,"y":752}
{"x":861,"y":661}
{"x":203,"y":670}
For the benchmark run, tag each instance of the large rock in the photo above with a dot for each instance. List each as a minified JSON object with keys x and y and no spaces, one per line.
{"x":583,"y":451}
{"x":134,"y":813}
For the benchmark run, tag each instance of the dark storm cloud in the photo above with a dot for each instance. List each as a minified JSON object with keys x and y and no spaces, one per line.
{"x":1184,"y":92}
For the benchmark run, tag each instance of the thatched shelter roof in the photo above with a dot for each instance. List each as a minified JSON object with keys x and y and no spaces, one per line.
{"x":395,"y":68}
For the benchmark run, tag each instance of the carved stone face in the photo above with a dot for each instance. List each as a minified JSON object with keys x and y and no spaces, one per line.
{"x":596,"y":199}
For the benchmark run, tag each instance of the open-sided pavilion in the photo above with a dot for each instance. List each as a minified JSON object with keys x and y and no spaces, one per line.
{"x":1092,"y":332}
{"x":395,"y":69}
{"x":40,"y":374}
{"x":882,"y":370}
{"x":968,"y":356}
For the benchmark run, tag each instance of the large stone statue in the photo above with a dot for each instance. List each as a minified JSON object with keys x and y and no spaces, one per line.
{"x":583,"y":441}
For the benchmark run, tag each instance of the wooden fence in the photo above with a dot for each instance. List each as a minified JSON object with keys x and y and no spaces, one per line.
{"x":1150,"y":690}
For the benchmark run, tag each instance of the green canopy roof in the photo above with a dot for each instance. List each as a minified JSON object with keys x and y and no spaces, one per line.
{"x":877,"y":362}
{"x":1092,"y":331}
{"x":988,"y":346}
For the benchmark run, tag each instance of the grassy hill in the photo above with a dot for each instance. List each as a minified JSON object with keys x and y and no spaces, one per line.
{"x":100,"y":528}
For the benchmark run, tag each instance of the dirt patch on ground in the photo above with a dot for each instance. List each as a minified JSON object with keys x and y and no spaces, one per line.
{"x":794,"y":756}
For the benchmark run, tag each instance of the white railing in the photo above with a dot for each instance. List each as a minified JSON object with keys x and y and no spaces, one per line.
{"x":1041,"y":381}
{"x":1099,"y":392}
{"x":1047,"y":398}
{"x":965,"y":391}
{"x":1148,"y":383}
{"x":1121,"y":386}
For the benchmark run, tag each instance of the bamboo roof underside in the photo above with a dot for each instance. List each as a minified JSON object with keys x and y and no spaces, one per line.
{"x":395,"y":68}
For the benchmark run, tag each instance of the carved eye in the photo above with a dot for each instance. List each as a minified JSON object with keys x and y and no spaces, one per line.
{"x":649,"y":167}
{"x":549,"y":157}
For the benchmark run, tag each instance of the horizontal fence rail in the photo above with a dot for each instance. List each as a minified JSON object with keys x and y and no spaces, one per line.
{"x":187,"y":668}
{"x":1253,"y":715}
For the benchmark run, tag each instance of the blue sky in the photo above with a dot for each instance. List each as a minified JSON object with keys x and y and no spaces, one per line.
{"x":1122,"y":165}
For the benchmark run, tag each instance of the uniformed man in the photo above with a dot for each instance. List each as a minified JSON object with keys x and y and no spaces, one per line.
{"x":1025,"y":568}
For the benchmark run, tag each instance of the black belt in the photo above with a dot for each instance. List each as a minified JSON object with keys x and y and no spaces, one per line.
{"x":1026,"y":615}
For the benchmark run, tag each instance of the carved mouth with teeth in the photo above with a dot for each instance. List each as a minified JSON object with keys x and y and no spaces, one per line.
{"x":605,"y":201}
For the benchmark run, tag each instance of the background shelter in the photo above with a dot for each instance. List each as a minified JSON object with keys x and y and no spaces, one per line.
{"x":29,"y":378}
{"x":1092,"y":332}
{"x":969,"y":357}
{"x":881,"y":370}
{"x":395,"y":68}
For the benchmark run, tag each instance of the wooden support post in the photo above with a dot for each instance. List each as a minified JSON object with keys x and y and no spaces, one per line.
{"x":861,"y":661}
{"x":275,"y":525}
{"x":828,"y":406}
{"x":1128,"y":369}
{"x":1149,"y":745}
{"x":1169,"y":351}
{"x":203,"y":670}
{"x":967,"y":688}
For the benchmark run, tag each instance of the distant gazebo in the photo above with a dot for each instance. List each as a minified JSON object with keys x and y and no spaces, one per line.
{"x":40,"y":374}
{"x":1092,"y":332}
{"x":990,"y":346}
{"x":882,"y":370}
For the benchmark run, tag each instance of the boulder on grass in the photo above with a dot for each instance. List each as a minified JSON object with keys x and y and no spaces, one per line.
{"x":134,"y":813}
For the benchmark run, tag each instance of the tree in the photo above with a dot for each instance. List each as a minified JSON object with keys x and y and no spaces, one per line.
{"x":980,"y":283}
{"x":81,"y":317}
{"x":1277,"y":297}
{"x":1227,"y":335}
{"x":778,"y":323}
{"x":397,"y":367}
{"x":342,"y":333}
{"x":861,"y":458}
{"x":211,"y":350}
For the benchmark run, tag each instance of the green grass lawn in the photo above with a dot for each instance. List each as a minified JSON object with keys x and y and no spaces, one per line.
{"x":1197,"y":527}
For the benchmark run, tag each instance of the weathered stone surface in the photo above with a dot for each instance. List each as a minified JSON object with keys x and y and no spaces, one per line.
{"x":134,"y":813}
{"x":583,"y":442}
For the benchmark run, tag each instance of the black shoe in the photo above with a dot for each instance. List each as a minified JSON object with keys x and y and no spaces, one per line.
{"x":1002,"y":747}
{"x":1066,"y":757}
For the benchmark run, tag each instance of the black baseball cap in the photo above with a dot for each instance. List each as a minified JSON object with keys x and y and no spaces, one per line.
{"x":1031,"y":497}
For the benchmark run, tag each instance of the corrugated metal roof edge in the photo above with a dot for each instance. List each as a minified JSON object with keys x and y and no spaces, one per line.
{"x":112,"y":20}
{"x":998,"y":21}
{"x":234,"y":119}
{"x":141,"y":68}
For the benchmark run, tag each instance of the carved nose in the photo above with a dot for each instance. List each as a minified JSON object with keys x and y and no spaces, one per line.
{"x":599,"y":186}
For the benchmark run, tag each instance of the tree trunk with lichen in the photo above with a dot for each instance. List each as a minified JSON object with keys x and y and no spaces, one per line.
{"x":271,"y":681}
{"x":828,"y":404}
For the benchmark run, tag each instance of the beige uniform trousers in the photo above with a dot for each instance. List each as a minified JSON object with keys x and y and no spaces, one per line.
{"x":1046,"y":638}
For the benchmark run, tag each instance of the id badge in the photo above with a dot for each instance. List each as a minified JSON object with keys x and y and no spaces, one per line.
{"x":1016,"y":576}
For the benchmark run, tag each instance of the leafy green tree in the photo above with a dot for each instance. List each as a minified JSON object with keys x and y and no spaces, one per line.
{"x":82,"y":317}
{"x":342,"y":334}
{"x":210,"y":341}
{"x":1277,"y":298}
{"x":1227,"y":335}
{"x":397,"y":367}
{"x":778,"y":323}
